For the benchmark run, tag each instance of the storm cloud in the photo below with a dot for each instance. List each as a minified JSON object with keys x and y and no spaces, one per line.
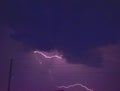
{"x":75,"y":28}
{"x":77,"y":46}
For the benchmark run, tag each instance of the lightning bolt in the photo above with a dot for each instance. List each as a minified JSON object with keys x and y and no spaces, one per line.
{"x":51,"y":77}
{"x":48,"y":57}
{"x":50,"y":72}
{"x":78,"y":84}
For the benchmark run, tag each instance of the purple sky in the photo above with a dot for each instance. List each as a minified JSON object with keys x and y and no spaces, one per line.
{"x":29,"y":75}
{"x":85,"y":32}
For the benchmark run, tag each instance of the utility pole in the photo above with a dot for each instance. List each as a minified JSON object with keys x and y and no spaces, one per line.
{"x":10,"y":74}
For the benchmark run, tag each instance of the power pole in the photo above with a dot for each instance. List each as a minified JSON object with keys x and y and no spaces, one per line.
{"x":10,"y":74}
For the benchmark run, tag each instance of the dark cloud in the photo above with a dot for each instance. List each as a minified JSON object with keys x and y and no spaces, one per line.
{"x":76,"y":28}
{"x":78,"y":46}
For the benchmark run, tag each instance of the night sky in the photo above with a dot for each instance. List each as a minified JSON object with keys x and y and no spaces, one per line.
{"x":85,"y":32}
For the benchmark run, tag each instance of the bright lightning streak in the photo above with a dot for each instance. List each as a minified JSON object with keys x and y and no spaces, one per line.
{"x":48,"y":57}
{"x":76,"y":85}
{"x":50,"y":73}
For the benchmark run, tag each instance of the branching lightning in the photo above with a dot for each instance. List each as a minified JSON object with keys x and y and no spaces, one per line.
{"x":78,"y":84}
{"x":48,"y":57}
{"x":50,"y":72}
